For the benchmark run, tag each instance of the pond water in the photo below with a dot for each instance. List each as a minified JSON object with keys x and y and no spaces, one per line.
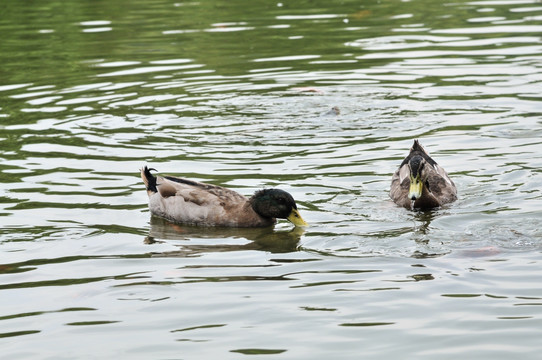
{"x":240,"y":94}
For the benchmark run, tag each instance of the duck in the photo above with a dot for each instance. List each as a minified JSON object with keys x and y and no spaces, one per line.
{"x":191,"y":202}
{"x":420,"y":183}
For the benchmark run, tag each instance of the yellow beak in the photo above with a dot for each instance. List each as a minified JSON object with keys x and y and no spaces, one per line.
{"x":416,"y":187}
{"x":296,"y":219}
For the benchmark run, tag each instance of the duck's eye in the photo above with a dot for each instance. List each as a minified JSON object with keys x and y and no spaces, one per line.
{"x":281,"y":200}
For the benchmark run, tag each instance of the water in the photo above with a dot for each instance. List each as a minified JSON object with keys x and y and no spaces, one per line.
{"x":239,"y":94}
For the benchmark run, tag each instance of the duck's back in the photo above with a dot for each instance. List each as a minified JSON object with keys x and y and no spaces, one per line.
{"x":191,"y":202}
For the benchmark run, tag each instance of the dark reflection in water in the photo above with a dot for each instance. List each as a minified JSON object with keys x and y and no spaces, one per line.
{"x":264,"y":239}
{"x":423,"y":221}
{"x":258,"y":351}
{"x":18,"y":333}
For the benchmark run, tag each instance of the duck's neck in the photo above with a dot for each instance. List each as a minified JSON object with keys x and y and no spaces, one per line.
{"x":254,"y":217}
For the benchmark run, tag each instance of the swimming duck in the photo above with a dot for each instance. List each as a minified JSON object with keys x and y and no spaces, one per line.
{"x":420,"y":183}
{"x":191,"y":202}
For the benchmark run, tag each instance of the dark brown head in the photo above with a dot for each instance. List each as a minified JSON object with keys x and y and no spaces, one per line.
{"x":276,"y":203}
{"x":418,"y":176}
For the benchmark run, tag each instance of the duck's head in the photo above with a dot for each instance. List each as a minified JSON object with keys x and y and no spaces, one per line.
{"x":416,"y":165}
{"x":276,"y":203}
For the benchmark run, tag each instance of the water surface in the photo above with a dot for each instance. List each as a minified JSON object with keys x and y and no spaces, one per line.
{"x":241,"y":95}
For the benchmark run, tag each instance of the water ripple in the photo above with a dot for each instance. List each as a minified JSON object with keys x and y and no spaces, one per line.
{"x":321,"y":102}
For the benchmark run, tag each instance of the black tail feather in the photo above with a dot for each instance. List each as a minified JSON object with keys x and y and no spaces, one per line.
{"x":417,"y":149}
{"x":149,"y":179}
{"x":417,"y":146}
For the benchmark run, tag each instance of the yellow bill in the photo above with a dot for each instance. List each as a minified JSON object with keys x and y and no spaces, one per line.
{"x":416,"y":187}
{"x":296,"y":219}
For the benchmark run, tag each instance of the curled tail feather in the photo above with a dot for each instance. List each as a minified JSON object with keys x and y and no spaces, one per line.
{"x":149,"y":179}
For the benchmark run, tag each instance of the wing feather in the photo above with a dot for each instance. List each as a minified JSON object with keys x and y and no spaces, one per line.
{"x":193,"y":202}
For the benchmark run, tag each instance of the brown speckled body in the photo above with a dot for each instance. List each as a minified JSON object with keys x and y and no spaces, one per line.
{"x":191,"y":202}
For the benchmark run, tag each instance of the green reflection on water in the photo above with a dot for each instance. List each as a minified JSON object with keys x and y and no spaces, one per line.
{"x":14,"y":316}
{"x":87,"y":323}
{"x":366,"y":324}
{"x":258,"y":351}
{"x":19,"y":333}
{"x":199,"y":327}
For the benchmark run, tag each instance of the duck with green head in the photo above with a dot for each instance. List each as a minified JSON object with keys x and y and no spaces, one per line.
{"x":190,"y":202}
{"x":420,"y":183}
